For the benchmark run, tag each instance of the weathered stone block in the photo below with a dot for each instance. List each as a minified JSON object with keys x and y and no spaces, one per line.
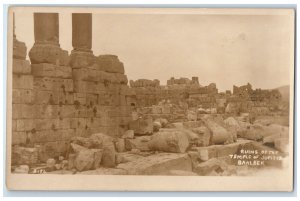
{"x":51,"y":70}
{"x":47,"y":53}
{"x":53,"y":84}
{"x":24,"y":155}
{"x":19,"y":50}
{"x":169,"y":141}
{"x":110,"y":63}
{"x":21,"y":66}
{"x":80,"y":59}
{"x":22,"y":96}
{"x":22,"y":81}
{"x":140,"y":143}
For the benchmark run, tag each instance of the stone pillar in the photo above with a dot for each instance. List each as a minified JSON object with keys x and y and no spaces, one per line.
{"x":82,"y":54}
{"x":46,"y":28}
{"x":82,"y":31}
{"x":46,"y":48}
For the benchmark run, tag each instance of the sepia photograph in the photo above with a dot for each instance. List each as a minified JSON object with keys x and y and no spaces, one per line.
{"x":143,"y":99}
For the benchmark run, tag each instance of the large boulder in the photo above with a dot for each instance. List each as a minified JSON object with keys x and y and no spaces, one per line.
{"x":109,"y":152}
{"x":88,"y":159}
{"x":219,"y":134}
{"x":97,"y":141}
{"x":169,"y":140}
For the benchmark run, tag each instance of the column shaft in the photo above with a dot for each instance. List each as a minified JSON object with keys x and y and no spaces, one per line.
{"x":82,"y":31}
{"x":46,"y":28}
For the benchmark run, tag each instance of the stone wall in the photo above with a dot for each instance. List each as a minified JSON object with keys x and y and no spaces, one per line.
{"x":54,"y":101}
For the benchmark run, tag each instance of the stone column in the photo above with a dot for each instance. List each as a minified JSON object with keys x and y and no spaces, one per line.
{"x":82,"y":54}
{"x":82,"y":31}
{"x":46,"y":48}
{"x":46,"y":28}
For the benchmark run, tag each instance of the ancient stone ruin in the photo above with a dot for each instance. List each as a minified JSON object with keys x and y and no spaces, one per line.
{"x":76,"y":113}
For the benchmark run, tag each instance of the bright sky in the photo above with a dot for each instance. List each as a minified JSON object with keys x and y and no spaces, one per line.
{"x":225,"y":49}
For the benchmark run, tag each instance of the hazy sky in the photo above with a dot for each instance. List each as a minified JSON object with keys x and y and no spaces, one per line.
{"x":225,"y":49}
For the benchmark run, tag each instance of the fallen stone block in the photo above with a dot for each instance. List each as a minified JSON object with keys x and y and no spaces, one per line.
{"x":142,"y":126}
{"x":108,"y":147}
{"x":140,"y":143}
{"x":219,"y":134}
{"x":158,"y":164}
{"x":169,"y":141}
{"x":87,"y":159}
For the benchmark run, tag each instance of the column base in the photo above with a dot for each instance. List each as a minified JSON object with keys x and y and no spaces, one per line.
{"x":82,"y":58}
{"x":48,"y":53}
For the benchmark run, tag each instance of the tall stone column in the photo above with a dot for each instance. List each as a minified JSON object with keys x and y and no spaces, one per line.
{"x":46,"y":28}
{"x":82,"y":31}
{"x":82,"y":54}
{"x":46,"y":48}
